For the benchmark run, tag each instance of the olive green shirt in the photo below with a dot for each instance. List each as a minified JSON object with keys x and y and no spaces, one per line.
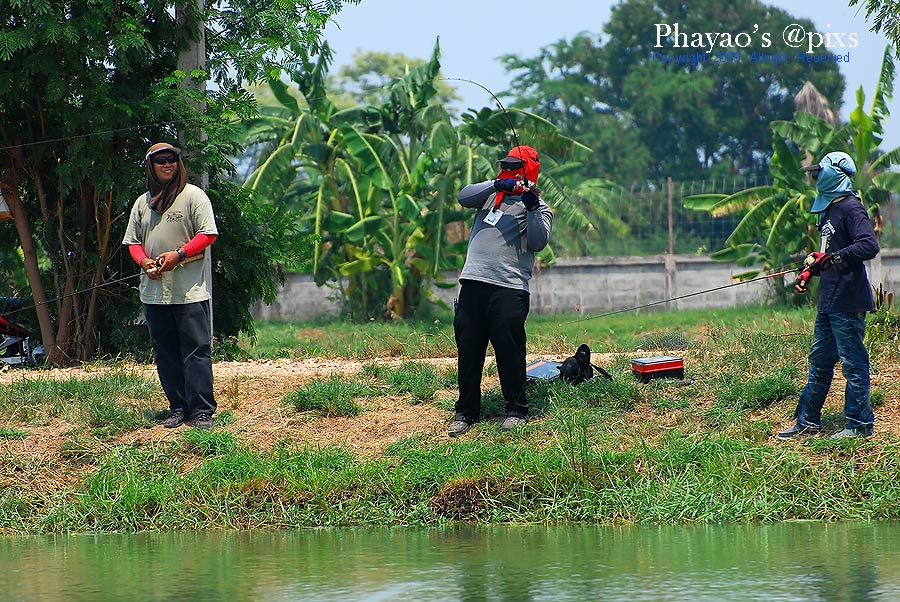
{"x":190,"y":214}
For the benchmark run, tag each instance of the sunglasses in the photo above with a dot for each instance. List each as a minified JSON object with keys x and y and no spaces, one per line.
{"x":165,"y":159}
{"x":512,"y":165}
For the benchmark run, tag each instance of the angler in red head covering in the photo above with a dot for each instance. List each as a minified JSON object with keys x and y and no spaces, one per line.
{"x":511,"y":224}
{"x":518,"y":170}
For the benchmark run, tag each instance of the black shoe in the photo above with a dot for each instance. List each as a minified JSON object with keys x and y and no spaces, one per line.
{"x":514,"y":422}
{"x":863,"y":432}
{"x":174,"y":420}
{"x":799,"y":431}
{"x":458,"y":427}
{"x":202,"y":421}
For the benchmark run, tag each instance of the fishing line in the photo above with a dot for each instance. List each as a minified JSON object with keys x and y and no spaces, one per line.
{"x":711,"y":290}
{"x":88,"y":135}
{"x":96,"y":286}
{"x":494,"y":96}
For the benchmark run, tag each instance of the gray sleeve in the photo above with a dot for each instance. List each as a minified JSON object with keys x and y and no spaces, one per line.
{"x":474,"y":195}
{"x":540,"y":222}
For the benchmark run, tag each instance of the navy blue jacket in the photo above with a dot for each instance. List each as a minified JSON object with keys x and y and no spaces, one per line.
{"x":845,"y":287}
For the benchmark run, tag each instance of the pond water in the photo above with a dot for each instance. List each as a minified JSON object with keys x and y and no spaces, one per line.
{"x":791,"y":561}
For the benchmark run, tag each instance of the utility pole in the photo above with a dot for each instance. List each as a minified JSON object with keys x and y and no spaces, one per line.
{"x":192,"y":58}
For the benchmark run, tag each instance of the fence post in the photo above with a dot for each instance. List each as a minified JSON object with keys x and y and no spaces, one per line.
{"x":671,"y":219}
{"x":670,"y":258}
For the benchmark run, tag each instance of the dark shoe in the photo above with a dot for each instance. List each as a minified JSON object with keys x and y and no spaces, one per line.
{"x":174,"y":420}
{"x":202,"y":421}
{"x":458,"y":427}
{"x":863,"y":432}
{"x":799,"y":431}
{"x":514,"y":422}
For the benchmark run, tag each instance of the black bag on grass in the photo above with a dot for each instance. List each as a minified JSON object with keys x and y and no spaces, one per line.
{"x":578,"y":368}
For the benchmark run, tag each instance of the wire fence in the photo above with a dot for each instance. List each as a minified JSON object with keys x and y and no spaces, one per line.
{"x":658,"y":222}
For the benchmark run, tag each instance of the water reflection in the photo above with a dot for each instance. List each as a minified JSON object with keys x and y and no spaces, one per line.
{"x":798,"y":561}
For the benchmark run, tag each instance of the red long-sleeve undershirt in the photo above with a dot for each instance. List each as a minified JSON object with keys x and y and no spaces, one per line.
{"x":195,"y":246}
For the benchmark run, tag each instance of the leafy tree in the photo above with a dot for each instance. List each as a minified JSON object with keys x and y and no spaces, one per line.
{"x":85,"y":88}
{"x":648,"y":117}
{"x":885,"y":18}
{"x":777,"y":227}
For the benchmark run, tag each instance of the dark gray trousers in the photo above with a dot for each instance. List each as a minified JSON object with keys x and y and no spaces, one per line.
{"x":486,"y":312}
{"x":182,"y":349}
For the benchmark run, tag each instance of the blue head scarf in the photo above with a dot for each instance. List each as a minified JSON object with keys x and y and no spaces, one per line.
{"x":834,"y":181}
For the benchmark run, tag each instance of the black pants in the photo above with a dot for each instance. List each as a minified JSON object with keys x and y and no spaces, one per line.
{"x":182,"y":347}
{"x":486,"y":312}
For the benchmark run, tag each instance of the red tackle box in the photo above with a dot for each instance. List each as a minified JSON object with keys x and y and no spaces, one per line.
{"x":664,"y":366}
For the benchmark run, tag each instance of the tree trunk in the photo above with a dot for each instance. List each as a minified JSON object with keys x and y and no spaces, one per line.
{"x":29,"y":250}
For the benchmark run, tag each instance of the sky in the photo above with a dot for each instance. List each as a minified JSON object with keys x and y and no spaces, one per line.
{"x":474,"y":34}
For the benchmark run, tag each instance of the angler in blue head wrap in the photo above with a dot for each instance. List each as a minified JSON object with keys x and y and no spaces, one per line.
{"x":846,"y":241}
{"x":834,"y":179}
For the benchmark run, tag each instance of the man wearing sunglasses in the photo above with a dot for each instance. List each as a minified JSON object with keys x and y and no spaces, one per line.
{"x":511,"y":224}
{"x":846,"y":241}
{"x":171,"y":222}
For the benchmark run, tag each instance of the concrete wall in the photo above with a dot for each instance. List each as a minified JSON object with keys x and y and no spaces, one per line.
{"x":592,"y":285}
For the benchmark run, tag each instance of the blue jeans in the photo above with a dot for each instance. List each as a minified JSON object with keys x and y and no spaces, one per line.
{"x":837,"y":336}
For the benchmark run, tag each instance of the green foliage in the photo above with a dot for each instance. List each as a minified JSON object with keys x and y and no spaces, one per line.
{"x":256,"y":240}
{"x":331,"y":397}
{"x":84,"y":90}
{"x":647,"y":119}
{"x":378,"y":182}
{"x":367,"y":79}
{"x":883,"y":15}
{"x":108,"y":416}
{"x":776,"y":229}
{"x":884,"y":325}
{"x":663,"y":340}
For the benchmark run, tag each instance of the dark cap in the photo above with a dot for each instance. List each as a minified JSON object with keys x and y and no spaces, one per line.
{"x":812,"y":167}
{"x":159,"y":147}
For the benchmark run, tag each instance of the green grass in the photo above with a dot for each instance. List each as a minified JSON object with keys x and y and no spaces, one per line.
{"x":332,"y":396}
{"x":417,"y":379}
{"x":497,"y":478}
{"x":114,"y":401}
{"x":602,"y":452}
{"x":7,"y":432}
{"x":546,"y":333}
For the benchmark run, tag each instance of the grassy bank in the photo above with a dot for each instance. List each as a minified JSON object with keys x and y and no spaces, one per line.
{"x":79,"y":453}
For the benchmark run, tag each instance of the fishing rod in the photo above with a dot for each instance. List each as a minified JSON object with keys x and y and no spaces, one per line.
{"x":101,"y":285}
{"x":494,"y":96}
{"x":505,"y":113}
{"x":711,"y":290}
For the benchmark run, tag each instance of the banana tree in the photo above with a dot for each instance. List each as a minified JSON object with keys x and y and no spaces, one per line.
{"x":363,"y":180}
{"x":777,"y":227}
{"x":378,"y":183}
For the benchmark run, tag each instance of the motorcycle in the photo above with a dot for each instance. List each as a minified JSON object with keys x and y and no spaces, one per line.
{"x":18,"y":345}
